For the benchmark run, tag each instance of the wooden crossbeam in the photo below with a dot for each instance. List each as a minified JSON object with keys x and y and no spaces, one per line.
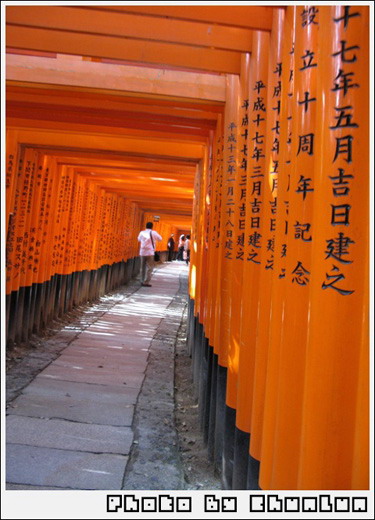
{"x":250,"y":16}
{"x":77,"y":97}
{"x":146,"y":146}
{"x":131,"y":26}
{"x":130,"y":118}
{"x":124,"y":160}
{"x":119,"y":131}
{"x":141,"y":51}
{"x":120,"y":78}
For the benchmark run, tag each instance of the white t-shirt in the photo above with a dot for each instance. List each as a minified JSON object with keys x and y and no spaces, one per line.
{"x":144,"y":238}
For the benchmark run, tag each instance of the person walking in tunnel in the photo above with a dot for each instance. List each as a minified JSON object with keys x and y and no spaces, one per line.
{"x":181,"y":244}
{"x":187,"y":250}
{"x":170,"y":248}
{"x":147,"y":239}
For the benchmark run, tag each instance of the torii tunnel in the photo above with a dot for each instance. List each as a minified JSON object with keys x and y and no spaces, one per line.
{"x":248,"y":127}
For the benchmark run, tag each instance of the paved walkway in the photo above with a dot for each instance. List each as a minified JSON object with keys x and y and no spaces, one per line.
{"x":74,"y":425}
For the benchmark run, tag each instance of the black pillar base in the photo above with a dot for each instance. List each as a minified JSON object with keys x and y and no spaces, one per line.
{"x":40,"y":294}
{"x":212,"y":415}
{"x":207,"y":396}
{"x":19,"y":314}
{"x":27,"y":304}
{"x":252,"y":473}
{"x":220,"y":416}
{"x":203,"y":387}
{"x":241,"y":453}
{"x":228,"y":447}
{"x":12,"y":314}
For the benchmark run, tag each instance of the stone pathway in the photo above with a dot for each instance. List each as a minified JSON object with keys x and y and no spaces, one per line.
{"x":73,"y":426}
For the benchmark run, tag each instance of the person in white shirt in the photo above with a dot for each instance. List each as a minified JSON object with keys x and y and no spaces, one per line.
{"x":147,"y":239}
{"x":180,"y":252}
{"x":187,"y":250}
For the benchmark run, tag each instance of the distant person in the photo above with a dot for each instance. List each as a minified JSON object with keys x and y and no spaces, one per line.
{"x":171,"y":248}
{"x":147,"y":238}
{"x":181,"y":244}
{"x":187,"y":250}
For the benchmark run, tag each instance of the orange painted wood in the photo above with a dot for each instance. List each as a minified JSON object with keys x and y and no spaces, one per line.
{"x":217,"y":235}
{"x":98,"y":46}
{"x":12,"y":156}
{"x":74,"y":97}
{"x":18,"y":235}
{"x":257,"y":168}
{"x":242,"y":16}
{"x":89,"y":21}
{"x":112,"y":144}
{"x":239,"y":220}
{"x":184,"y":138}
{"x":213,"y":223}
{"x":110,"y":77}
{"x":46,"y":220}
{"x":227,"y":239}
{"x":33,"y":238}
{"x":102,"y":117}
{"x":337,"y":360}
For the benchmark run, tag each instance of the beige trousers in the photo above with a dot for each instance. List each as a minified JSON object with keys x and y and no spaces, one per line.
{"x":147,"y":266}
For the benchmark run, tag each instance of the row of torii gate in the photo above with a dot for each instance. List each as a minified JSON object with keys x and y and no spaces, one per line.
{"x":250,"y":126}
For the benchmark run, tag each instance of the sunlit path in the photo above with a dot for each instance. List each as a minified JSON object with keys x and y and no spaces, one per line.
{"x":71,"y":427}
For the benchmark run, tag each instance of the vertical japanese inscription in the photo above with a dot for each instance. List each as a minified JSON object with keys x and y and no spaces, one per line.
{"x":231,"y":172}
{"x":306,"y":68}
{"x":344,"y":130}
{"x":243,"y":133}
{"x":256,"y":169}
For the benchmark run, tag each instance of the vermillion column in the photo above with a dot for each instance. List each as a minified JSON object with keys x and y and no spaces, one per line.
{"x":239,"y":219}
{"x":218,"y":232}
{"x":230,"y":168}
{"x":32,"y":248}
{"x":205,"y":209}
{"x":215,"y":253}
{"x":258,"y":110}
{"x":334,"y":449}
{"x":212,"y":244}
{"x":46,"y":228}
{"x":75,"y":223}
{"x":268,"y":230}
{"x":10,"y":174}
{"x":286,"y":364}
{"x":196,"y":245}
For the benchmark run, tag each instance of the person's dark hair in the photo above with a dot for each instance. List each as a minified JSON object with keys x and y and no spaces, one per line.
{"x":149,"y":225}
{"x":182,"y":237}
{"x":188,"y":236}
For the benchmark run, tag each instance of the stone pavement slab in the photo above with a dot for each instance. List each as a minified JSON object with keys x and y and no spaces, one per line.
{"x":94,"y":338}
{"x":115,"y":362}
{"x":98,"y":404}
{"x":88,"y":411}
{"x":57,"y":433}
{"x":64,"y":468}
{"x":101,"y":394}
{"x":94,"y":375}
{"x":127,"y":352}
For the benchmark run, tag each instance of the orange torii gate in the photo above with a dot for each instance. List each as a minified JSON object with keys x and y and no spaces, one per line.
{"x":250,"y":126}
{"x":294,"y":384}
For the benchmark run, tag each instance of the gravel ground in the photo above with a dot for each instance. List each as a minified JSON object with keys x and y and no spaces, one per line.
{"x":198,"y":470}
